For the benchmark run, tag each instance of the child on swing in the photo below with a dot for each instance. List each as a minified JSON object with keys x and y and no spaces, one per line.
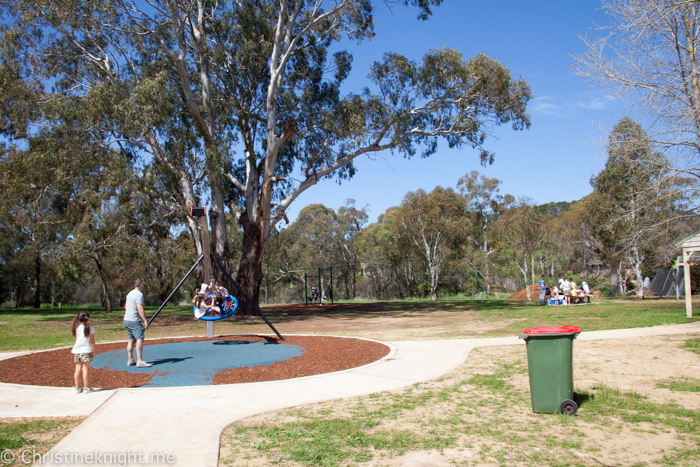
{"x":83,"y":351}
{"x":207,"y":306}
{"x":216,"y":308}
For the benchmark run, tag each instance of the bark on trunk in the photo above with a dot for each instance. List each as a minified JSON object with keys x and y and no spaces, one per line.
{"x":219,"y":244}
{"x":103,"y":281}
{"x":37,"y":282}
{"x":637,"y":265}
{"x":250,"y":272}
{"x":20,"y":294}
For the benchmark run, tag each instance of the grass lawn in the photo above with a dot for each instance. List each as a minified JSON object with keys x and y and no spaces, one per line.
{"x":27,"y":438}
{"x":480,"y":415}
{"x":30,"y":329}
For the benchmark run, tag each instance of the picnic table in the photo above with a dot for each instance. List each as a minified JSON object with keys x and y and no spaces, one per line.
{"x":580,"y":299}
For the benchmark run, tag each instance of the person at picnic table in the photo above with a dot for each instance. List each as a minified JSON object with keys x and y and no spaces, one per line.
{"x":566,"y":290}
{"x":574,"y":290}
{"x":555,"y":292}
{"x":586,"y":289}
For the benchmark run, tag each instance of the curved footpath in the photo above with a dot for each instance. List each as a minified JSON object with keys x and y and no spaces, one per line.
{"x":186,"y":422}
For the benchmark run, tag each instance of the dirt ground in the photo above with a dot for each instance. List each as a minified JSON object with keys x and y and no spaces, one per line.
{"x":378,"y":321}
{"x":636,"y":365}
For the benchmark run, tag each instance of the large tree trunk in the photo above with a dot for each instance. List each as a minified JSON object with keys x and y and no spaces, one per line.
{"x":37,"y":281}
{"x":353,"y":271}
{"x":637,"y":266}
{"x":20,"y":294}
{"x":103,"y":281}
{"x":250,"y":271}
{"x":523,"y":269}
{"x":219,"y":246}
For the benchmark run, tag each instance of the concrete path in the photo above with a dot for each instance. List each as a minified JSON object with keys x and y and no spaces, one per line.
{"x":186,"y":422}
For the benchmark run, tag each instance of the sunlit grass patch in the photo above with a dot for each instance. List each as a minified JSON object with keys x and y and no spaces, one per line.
{"x":681,"y":384}
{"x":692,"y":344}
{"x":35,"y":436}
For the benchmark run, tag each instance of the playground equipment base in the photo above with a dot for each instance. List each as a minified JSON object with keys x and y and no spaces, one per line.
{"x":198,"y":361}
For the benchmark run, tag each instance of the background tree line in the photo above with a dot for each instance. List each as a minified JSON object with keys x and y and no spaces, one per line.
{"x":115,"y":117}
{"x":81,"y":238}
{"x":474,"y":240}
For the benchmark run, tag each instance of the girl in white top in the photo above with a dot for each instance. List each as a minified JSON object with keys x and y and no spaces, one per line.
{"x":83,"y":350}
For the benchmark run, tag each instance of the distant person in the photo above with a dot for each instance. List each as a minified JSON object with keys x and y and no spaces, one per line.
{"x":566,"y":291}
{"x":557,"y":298}
{"x":585,"y":287}
{"x":314,"y":294}
{"x":541,"y":287}
{"x":135,"y":324}
{"x":586,"y":291}
{"x":83,"y":350}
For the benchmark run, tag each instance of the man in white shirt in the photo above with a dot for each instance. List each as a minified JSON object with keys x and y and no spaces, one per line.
{"x":135,"y":324}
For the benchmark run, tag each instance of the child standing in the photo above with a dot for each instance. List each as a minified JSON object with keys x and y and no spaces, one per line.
{"x":83,"y":350}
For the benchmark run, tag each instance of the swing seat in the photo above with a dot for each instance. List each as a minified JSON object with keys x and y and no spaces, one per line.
{"x":232,"y":303}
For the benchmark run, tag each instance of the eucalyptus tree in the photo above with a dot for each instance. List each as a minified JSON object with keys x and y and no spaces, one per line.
{"x":387,"y":259}
{"x":434,"y":225}
{"x":638,"y":200}
{"x":190,"y":82}
{"x":351,"y":222}
{"x":650,"y":54}
{"x":482,"y":197}
{"x":521,"y":231}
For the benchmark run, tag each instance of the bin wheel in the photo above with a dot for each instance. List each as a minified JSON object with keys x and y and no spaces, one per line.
{"x":577,"y":398}
{"x":568,"y":407}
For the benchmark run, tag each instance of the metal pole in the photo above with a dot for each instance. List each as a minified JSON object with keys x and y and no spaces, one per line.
{"x":306,"y":292}
{"x":320,"y":289}
{"x":246,"y":297}
{"x":173,"y":292}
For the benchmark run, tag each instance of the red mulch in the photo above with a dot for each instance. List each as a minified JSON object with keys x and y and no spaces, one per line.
{"x":323,"y":355}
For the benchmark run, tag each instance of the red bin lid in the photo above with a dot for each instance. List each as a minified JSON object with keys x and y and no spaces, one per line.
{"x":552,"y":330}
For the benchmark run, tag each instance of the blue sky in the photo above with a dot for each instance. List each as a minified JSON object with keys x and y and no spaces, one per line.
{"x":552,"y":161}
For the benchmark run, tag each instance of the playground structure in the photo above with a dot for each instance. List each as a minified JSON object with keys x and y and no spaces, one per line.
{"x":321,"y":295}
{"x":208,"y":257}
{"x":667,"y":283}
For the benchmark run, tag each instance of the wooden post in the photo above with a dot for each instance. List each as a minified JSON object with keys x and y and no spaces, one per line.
{"x":686,"y":273}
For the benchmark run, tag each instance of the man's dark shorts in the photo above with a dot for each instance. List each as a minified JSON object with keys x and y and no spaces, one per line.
{"x":134,"y":329}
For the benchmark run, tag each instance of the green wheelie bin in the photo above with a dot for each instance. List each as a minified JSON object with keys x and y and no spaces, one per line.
{"x":550,"y":365}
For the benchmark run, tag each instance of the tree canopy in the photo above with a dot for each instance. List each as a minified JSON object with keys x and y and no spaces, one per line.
{"x":226,"y":100}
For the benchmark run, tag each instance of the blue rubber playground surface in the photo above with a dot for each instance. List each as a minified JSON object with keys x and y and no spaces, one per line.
{"x":196,"y":363}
